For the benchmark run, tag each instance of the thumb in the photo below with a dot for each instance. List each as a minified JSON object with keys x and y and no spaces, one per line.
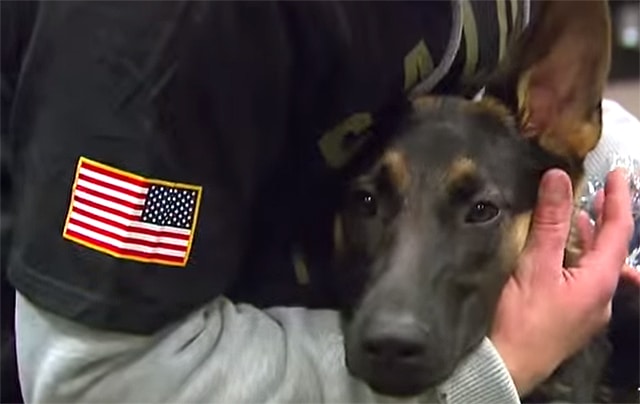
{"x":551,"y":219}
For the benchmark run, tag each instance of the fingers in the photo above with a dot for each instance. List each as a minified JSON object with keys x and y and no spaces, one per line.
{"x":613,"y":235}
{"x":617,"y":223}
{"x":551,"y":218}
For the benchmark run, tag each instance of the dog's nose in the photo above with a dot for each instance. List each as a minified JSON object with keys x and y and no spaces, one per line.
{"x":395,"y":341}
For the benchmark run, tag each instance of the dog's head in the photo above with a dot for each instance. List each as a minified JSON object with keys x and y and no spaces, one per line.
{"x":429,"y":232}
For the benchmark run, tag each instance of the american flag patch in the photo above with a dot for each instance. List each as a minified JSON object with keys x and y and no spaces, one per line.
{"x":132,"y":217}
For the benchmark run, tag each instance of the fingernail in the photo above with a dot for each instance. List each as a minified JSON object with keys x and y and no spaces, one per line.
{"x":554,"y":189}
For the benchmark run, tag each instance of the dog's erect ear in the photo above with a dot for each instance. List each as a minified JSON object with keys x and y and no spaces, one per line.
{"x":556,"y":73}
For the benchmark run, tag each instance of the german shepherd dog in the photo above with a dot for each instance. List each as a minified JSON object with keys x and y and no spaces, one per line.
{"x":431,"y":227}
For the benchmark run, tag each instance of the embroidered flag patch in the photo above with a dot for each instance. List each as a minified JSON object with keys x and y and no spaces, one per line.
{"x":132,"y":217}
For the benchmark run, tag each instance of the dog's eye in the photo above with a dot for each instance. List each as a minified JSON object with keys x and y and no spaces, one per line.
{"x":365,"y":203}
{"x":482,"y":212}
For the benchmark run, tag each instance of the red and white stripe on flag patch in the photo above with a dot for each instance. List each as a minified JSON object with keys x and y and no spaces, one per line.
{"x":132,"y":217}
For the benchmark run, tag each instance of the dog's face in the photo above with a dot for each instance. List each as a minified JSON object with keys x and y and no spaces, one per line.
{"x":428,"y":233}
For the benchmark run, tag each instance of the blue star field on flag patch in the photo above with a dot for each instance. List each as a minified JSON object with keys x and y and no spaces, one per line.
{"x":167,"y":206}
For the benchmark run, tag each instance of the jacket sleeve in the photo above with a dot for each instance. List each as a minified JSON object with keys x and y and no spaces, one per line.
{"x":220,"y":353}
{"x":171,"y":96}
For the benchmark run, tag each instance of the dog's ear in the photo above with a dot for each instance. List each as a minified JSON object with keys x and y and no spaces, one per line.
{"x":555,"y":73}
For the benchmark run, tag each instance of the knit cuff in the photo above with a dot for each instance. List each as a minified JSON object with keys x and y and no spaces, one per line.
{"x":481,"y":378}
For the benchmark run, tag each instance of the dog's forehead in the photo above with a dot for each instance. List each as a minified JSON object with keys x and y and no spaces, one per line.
{"x":459,"y":118}
{"x":450,"y":139}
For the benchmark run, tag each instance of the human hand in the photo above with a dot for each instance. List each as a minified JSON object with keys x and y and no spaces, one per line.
{"x":547,"y":312}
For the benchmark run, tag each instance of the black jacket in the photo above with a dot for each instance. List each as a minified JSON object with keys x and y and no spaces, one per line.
{"x":251,"y":103}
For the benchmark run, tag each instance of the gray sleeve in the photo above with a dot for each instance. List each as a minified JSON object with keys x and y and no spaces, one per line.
{"x":620,"y":140}
{"x":481,"y":378}
{"x":220,"y":353}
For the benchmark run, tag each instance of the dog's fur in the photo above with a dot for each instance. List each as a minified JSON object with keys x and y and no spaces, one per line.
{"x":432,"y":225}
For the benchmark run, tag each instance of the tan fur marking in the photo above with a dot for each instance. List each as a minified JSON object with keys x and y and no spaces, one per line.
{"x":496,"y":108}
{"x":426,"y":102}
{"x":461,"y":168}
{"x":571,"y":138}
{"x":520,"y":230}
{"x":573,"y":249}
{"x":515,"y":237}
{"x":397,"y":168}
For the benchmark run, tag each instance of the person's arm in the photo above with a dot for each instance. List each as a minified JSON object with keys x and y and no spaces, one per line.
{"x":221,"y":353}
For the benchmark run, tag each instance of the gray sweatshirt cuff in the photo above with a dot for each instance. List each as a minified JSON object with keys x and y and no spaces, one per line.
{"x":481,"y":378}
